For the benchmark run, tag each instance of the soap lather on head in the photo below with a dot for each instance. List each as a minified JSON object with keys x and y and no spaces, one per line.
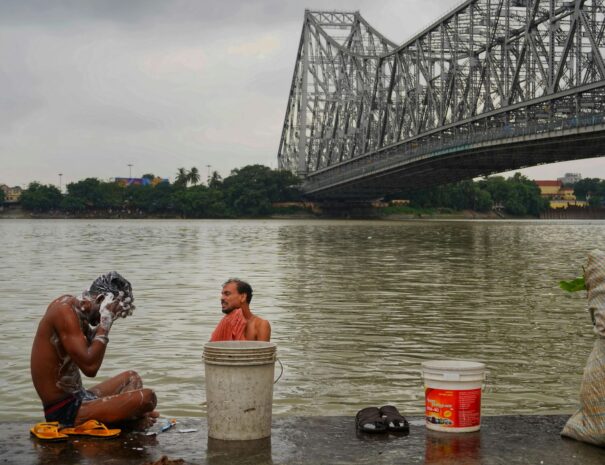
{"x":112,"y":286}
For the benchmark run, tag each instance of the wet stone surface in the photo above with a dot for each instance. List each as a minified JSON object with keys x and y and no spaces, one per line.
{"x":316,"y":440}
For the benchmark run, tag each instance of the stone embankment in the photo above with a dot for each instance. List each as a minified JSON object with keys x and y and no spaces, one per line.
{"x":315,"y":440}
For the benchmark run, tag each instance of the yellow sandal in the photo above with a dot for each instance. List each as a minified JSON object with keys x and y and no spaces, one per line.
{"x":92,"y":428}
{"x":48,"y":431}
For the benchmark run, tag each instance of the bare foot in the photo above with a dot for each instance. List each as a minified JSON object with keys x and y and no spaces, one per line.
{"x":143,"y":423}
{"x":153,"y":416}
{"x":166,"y":461}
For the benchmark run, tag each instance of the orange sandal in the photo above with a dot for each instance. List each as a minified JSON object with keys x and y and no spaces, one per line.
{"x":92,"y":428}
{"x":48,"y":431}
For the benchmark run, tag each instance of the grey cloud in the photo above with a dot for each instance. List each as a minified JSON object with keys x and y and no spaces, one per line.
{"x":143,"y":11}
{"x":97,"y":84}
{"x":114,"y":118}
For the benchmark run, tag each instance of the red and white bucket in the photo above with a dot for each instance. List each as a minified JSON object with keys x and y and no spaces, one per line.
{"x":452,"y":392}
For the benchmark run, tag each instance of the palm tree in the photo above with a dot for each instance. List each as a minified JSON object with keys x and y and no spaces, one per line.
{"x":182,"y":177}
{"x":215,"y":180}
{"x":194,"y":176}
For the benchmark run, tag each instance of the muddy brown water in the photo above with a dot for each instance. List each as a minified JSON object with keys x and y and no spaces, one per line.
{"x":355,"y":306}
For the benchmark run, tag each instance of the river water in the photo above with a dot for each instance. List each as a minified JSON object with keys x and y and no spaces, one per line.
{"x":355,"y":306}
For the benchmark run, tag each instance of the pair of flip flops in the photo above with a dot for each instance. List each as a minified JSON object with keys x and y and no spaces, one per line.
{"x":50,"y":431}
{"x":380,"y":420}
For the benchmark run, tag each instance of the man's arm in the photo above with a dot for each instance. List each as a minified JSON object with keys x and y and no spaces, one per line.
{"x":87,"y":358}
{"x":264,"y":331}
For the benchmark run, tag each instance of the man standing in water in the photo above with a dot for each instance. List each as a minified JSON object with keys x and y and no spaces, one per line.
{"x":72,"y":336}
{"x":239,"y":323}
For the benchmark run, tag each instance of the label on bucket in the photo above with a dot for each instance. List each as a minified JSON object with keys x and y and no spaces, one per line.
{"x":453,"y":408}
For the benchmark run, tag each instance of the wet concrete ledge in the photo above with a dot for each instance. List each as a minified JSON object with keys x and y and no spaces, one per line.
{"x":317,"y":440}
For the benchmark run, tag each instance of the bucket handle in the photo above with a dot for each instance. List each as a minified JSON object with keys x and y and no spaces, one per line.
{"x":487,"y":387}
{"x":282,"y":370}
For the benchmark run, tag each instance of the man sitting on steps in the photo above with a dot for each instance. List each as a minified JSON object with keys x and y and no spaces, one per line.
{"x":72,"y":337}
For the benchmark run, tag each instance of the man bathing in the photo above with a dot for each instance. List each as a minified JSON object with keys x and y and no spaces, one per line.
{"x":72,"y":337}
{"x":239,"y":323}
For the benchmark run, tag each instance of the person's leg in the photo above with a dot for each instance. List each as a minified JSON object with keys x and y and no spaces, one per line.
{"x":124,"y":382}
{"x":120,"y":408}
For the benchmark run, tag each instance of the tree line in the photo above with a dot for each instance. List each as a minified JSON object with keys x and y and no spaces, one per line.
{"x":252,"y":190}
{"x":517,"y":195}
{"x":590,"y":189}
{"x":246,"y":192}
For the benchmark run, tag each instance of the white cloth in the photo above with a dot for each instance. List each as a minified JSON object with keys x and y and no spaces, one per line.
{"x":594,"y":277}
{"x":588,"y":423}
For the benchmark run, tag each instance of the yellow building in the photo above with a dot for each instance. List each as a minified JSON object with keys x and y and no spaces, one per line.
{"x":11,"y":194}
{"x":559,"y":196}
{"x":549,"y":189}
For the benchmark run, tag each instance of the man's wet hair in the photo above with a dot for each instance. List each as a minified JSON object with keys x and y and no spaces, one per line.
{"x":112,"y":282}
{"x":242,"y":287}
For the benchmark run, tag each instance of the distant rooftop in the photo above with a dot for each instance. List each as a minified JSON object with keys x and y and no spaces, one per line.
{"x":548,"y":183}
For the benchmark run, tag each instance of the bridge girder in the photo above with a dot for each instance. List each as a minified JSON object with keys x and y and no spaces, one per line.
{"x":486,"y":65}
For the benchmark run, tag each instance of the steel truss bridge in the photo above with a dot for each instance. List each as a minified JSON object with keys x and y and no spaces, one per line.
{"x":493,"y":85}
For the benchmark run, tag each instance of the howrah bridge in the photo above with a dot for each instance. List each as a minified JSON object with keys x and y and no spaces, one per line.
{"x":492,"y":86}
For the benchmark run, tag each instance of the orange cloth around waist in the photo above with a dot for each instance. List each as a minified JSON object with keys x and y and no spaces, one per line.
{"x":230,"y":328}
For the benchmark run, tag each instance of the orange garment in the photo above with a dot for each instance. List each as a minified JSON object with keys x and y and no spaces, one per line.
{"x":230,"y":328}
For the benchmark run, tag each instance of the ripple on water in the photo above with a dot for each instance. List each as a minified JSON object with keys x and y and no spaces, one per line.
{"x":355,"y":307}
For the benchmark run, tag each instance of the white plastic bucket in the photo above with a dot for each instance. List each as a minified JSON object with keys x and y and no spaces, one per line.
{"x":452,"y":392}
{"x":239,"y":389}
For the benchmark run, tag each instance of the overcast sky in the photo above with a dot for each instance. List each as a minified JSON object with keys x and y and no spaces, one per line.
{"x":88,"y":87}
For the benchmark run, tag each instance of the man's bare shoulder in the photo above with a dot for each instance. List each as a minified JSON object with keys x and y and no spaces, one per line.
{"x":59,"y":317}
{"x":62,"y":306}
{"x":262,"y":329}
{"x":260,"y":321}
{"x":65,"y":301}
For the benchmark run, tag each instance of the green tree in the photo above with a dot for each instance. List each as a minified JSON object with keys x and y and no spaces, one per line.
{"x":484,"y":201}
{"x":215,"y":204}
{"x":251,"y":190}
{"x":591,"y":189}
{"x":72,"y":204}
{"x":162,"y":198}
{"x":518,"y":195}
{"x":112,"y":195}
{"x":200,"y":202}
{"x":497,"y":187}
{"x":151,"y":199}
{"x":215,"y":181}
{"x":1,"y":196}
{"x":528,"y":194}
{"x":41,"y":198}
{"x":87,"y":191}
{"x":194,"y":176}
{"x":182,"y":178}
{"x":595,"y":201}
{"x":96,"y":194}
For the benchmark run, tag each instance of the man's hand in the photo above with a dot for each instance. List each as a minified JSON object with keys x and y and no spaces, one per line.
{"x":126,"y":307}
{"x":114,"y":307}
{"x":108,"y":311}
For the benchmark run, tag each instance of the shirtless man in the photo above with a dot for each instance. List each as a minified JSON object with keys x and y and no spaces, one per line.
{"x":72,"y":337}
{"x":239,"y":323}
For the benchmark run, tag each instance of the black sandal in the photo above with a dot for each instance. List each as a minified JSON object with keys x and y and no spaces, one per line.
{"x":369,"y":420}
{"x":393,"y":420}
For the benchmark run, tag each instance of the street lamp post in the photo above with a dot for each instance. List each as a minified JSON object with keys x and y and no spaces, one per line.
{"x":208,"y":174}
{"x":129,"y":170}
{"x":60,"y":184}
